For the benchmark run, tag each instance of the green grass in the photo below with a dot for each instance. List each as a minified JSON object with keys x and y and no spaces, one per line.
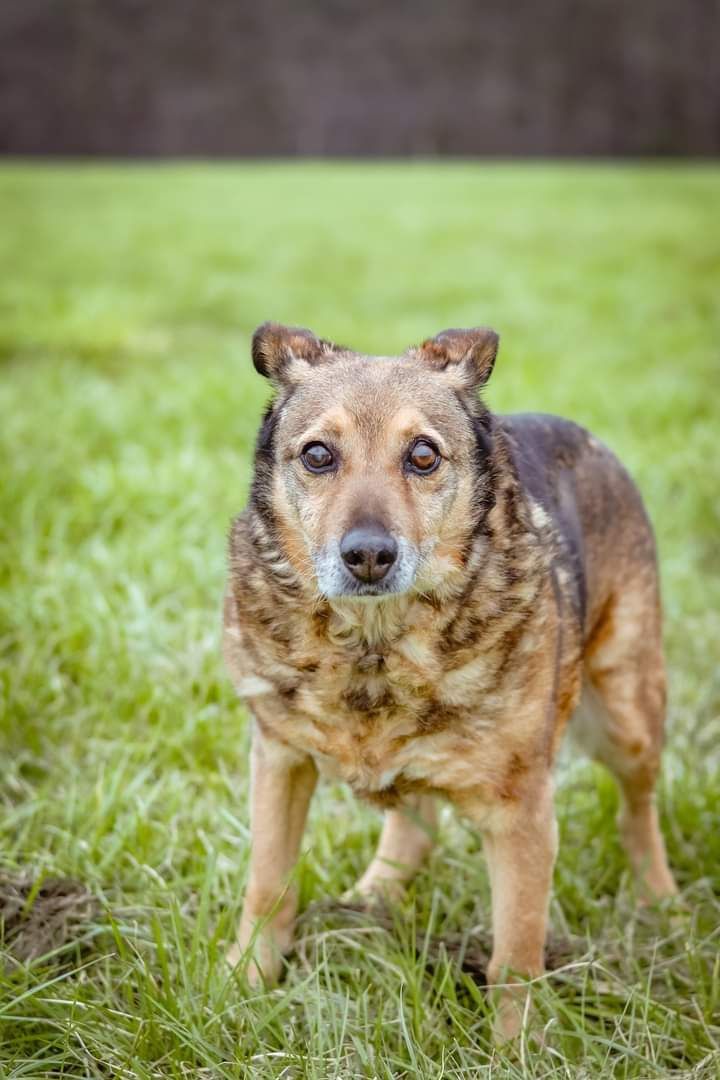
{"x":128,"y":409}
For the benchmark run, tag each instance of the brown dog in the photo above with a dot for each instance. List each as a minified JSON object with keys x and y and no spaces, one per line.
{"x":421,"y":593}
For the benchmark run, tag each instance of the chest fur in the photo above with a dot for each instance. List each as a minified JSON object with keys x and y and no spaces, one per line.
{"x":389,"y":707}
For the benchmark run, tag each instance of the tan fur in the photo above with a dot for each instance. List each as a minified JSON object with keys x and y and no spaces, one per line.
{"x":407,"y":837}
{"x":535,"y":574}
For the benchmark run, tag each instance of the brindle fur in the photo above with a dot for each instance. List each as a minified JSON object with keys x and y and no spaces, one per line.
{"x":535,"y":596}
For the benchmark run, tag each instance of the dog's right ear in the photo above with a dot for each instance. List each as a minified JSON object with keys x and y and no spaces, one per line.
{"x":283,"y":353}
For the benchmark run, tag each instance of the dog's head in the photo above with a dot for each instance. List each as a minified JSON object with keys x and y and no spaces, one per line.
{"x":374,"y":471}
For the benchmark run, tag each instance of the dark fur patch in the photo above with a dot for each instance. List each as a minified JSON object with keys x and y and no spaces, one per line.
{"x":466,"y":625}
{"x":371,"y":661}
{"x":436,"y":717}
{"x":261,"y":490}
{"x":390,"y":796}
{"x":481,"y":424}
{"x":516,"y":769}
{"x":544,"y":451}
{"x":360,"y":700}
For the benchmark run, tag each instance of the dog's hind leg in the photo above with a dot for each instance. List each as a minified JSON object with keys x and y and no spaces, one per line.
{"x":622,"y":719}
{"x":408,"y":835}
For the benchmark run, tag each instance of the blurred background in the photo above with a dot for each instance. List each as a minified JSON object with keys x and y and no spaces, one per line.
{"x":342,"y":78}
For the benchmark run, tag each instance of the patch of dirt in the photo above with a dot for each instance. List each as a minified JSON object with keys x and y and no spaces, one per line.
{"x":469,"y":951}
{"x":36,"y":919}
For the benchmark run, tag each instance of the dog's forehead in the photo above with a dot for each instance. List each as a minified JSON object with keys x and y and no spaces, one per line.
{"x":365,"y":392}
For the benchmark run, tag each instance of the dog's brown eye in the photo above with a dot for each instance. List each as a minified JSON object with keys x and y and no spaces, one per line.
{"x":317,"y":458}
{"x":423,"y":457}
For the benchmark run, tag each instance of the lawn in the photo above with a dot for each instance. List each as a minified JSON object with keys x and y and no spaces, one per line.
{"x":129,"y":406}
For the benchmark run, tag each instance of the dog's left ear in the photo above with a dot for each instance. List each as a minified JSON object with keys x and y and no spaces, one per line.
{"x":467,"y":356}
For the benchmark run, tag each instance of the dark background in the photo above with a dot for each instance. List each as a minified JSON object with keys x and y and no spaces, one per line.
{"x":226,"y":78}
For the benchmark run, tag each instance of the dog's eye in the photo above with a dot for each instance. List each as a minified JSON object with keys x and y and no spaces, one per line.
{"x":317,"y":458}
{"x":423,"y":457}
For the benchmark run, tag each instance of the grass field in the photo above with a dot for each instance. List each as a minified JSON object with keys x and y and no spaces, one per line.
{"x":128,"y":408}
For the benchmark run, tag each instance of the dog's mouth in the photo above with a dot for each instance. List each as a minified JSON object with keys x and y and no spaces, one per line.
{"x":357,"y":588}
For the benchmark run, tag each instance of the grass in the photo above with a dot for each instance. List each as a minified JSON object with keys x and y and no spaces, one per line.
{"x":129,"y":408}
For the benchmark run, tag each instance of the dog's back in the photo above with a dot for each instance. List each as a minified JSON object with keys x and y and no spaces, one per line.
{"x":604,"y":535}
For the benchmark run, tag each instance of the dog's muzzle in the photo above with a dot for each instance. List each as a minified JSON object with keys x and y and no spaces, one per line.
{"x":366,"y":561}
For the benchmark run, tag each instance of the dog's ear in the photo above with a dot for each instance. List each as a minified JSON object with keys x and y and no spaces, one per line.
{"x":467,"y":356}
{"x":282,"y":353}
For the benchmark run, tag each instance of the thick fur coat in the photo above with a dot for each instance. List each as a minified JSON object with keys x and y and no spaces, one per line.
{"x":523,"y":589}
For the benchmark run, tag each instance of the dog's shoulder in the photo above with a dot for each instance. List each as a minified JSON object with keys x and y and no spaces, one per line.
{"x":542,"y":446}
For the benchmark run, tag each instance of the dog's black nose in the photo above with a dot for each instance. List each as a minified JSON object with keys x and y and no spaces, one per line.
{"x":368,"y":552}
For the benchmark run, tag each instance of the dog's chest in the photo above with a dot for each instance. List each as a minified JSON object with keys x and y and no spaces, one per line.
{"x":388,"y":719}
{"x":391,"y":698}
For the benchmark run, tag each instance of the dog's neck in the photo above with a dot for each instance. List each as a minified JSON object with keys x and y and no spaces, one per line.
{"x":371,"y":621}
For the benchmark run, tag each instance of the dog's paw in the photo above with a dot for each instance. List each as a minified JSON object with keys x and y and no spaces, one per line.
{"x":514,"y":1015}
{"x":374,"y":893}
{"x":260,"y":961}
{"x":375,"y":888}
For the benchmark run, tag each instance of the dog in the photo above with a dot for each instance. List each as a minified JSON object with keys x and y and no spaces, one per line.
{"x":421,"y":594}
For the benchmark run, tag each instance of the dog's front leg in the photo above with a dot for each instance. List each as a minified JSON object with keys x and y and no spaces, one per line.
{"x":282,"y":785}
{"x":520,"y":843}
